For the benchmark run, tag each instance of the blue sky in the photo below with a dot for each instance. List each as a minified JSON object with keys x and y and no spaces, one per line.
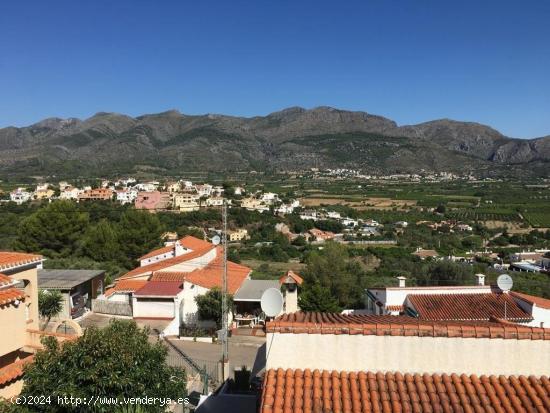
{"x":412,"y":61}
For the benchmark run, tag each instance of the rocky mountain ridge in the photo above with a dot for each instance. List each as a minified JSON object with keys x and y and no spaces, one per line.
{"x":291,"y":139}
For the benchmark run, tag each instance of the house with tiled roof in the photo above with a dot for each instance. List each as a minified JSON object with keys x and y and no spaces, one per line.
{"x":318,"y":235}
{"x":152,"y":201}
{"x":478,"y":302}
{"x":168,"y":279}
{"x":323,"y":362}
{"x":405,"y":344}
{"x":18,"y":317}
{"x":312,"y":391}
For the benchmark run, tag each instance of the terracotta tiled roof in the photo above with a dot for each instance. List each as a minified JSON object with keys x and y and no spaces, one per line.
{"x":297,"y":279}
{"x":297,"y":391}
{"x":14,"y":370}
{"x":467,"y":307}
{"x":156,"y":266}
{"x":5,"y":280}
{"x":531,"y":299}
{"x":189,"y":242}
{"x":10,"y":259}
{"x":169,"y":276}
{"x":156,"y":252}
{"x":160,"y":288}
{"x":127,"y":286}
{"x":211,"y":275}
{"x":194,"y":243}
{"x":360,"y":324}
{"x":395,"y":308}
{"x":9,"y":295}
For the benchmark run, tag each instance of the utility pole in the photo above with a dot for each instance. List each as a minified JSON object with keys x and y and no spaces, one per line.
{"x":225,"y":310}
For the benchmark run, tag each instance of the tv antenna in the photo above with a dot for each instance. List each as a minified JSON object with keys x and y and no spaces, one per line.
{"x":505,"y":283}
{"x":225,"y":309}
{"x":272,"y":302}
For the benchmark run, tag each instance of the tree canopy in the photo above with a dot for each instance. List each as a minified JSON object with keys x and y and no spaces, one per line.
{"x":54,"y":231}
{"x":116,"y":361}
{"x":50,"y":304}
{"x":317,"y":298}
{"x":210,"y":306}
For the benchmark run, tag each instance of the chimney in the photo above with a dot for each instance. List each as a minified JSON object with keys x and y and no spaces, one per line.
{"x":480,"y":279}
{"x":178,"y":249}
{"x":402,"y":281}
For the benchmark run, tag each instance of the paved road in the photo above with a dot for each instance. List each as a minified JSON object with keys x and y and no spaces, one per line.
{"x":251,"y":355}
{"x":243,"y":351}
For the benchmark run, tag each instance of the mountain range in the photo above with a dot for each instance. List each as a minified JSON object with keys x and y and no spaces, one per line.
{"x":289,"y":140}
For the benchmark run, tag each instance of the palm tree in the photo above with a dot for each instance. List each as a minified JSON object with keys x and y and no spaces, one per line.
{"x":50,"y":304}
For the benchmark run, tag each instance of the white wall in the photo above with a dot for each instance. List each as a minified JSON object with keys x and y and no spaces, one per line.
{"x":120,"y":297}
{"x":195,"y":263}
{"x":158,"y":308}
{"x":408,"y":354}
{"x":156,"y":258}
{"x":541,"y":316}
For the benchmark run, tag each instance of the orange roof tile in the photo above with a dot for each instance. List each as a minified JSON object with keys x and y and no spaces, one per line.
{"x":194,"y":243}
{"x":160,"y":288}
{"x":156,"y":266}
{"x":14,"y":370}
{"x":467,"y":307}
{"x":531,"y":299}
{"x":156,"y":252}
{"x":10,"y":259}
{"x":395,"y":308}
{"x":189,"y":242}
{"x":211,"y":275}
{"x":5,"y":280}
{"x":361,"y":324}
{"x":127,"y":286}
{"x":169,"y":276}
{"x":297,"y":391}
{"x":297,"y":279}
{"x":9,"y":295}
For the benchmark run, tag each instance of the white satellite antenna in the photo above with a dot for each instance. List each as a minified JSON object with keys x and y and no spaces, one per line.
{"x":272,"y":302}
{"x":505,"y":282}
{"x":216,"y":240}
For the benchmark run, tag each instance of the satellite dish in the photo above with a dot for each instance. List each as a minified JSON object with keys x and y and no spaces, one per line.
{"x":505,"y":282}
{"x":216,"y":240}
{"x":272,"y":302}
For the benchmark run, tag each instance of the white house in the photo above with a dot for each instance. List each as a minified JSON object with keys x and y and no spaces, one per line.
{"x":214,"y":201}
{"x":147,"y":186}
{"x":204,"y":190}
{"x":70,"y":192}
{"x":270,"y":197}
{"x":126,"y":196}
{"x":20,"y":195}
{"x":478,"y":302}
{"x":169,"y":278}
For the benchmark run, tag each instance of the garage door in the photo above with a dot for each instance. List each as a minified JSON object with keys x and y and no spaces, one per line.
{"x":154,"y":308}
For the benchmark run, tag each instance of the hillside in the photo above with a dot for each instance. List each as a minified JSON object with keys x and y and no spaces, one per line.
{"x":292,"y":139}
